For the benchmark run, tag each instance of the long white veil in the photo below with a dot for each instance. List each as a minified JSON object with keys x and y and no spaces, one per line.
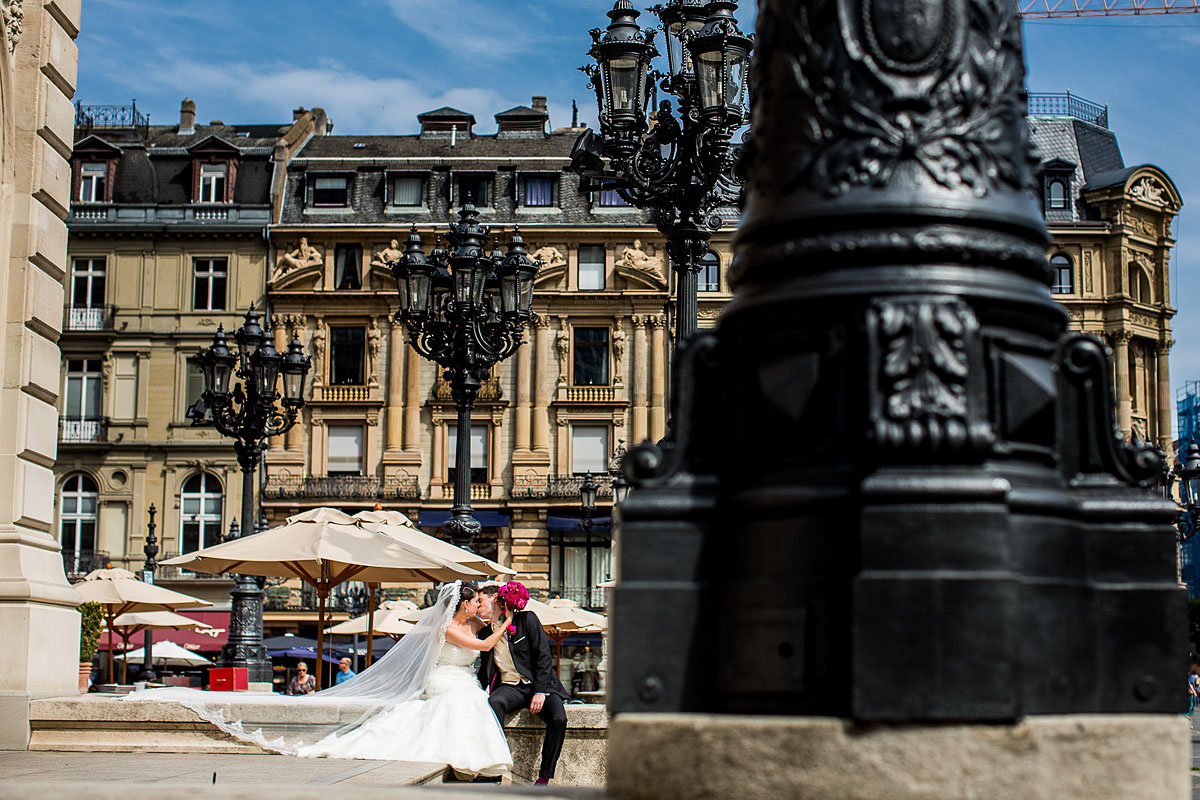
{"x":397,"y":677}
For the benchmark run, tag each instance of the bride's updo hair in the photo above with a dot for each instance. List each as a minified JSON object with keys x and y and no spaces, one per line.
{"x":466,"y":593}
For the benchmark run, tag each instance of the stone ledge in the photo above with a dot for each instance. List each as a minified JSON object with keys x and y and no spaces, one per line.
{"x":701,"y":756}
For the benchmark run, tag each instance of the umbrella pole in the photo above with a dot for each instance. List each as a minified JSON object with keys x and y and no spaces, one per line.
{"x":370,"y":620}
{"x":112,"y":672}
{"x":320,"y":635}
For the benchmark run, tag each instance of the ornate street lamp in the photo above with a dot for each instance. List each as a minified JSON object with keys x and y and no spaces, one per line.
{"x":681,"y":167}
{"x":587,"y":502}
{"x":150,"y":548}
{"x":1188,"y":473}
{"x":249,"y":411}
{"x":466,"y":311}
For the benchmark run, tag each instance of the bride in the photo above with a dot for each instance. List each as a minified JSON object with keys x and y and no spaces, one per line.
{"x":426,"y":701}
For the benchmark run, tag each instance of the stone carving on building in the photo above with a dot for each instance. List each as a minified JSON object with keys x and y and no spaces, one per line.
{"x":374,"y":341}
{"x":635,"y":258}
{"x":1087,"y":271}
{"x":318,"y":354}
{"x":562,"y":342}
{"x":382,"y":259}
{"x":304,"y":256}
{"x":549,"y":256}
{"x":618,"y":351}
{"x":1149,"y":190}
{"x":14,"y":20}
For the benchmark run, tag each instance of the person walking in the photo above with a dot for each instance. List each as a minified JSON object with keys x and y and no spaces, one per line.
{"x":344,"y":672}
{"x":302,"y":682}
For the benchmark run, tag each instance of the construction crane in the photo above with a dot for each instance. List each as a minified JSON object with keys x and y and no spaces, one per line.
{"x":1051,"y":9}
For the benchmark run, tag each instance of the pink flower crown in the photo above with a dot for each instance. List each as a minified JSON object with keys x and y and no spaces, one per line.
{"x":514,"y":594}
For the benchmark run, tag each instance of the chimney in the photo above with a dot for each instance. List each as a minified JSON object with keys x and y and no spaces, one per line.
{"x":298,"y":113}
{"x":187,"y":117}
{"x":539,"y":103}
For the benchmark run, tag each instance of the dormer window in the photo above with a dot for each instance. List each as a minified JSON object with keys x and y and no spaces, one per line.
{"x":407,"y":191}
{"x":476,"y":189}
{"x":1056,"y":194}
{"x":539,"y":191}
{"x":212,"y":182}
{"x":92,"y":180}
{"x":331,"y":192}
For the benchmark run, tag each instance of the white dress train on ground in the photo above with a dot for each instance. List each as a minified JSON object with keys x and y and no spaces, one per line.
{"x":451,"y":724}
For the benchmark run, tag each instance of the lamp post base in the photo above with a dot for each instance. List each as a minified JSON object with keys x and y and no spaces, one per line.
{"x":1098,"y":756}
{"x":245,"y":648}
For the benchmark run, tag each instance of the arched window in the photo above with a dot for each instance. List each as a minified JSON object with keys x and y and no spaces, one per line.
{"x":1056,"y":195}
{"x":201,"y":518}
{"x":1063,"y":275}
{"x":1139,"y":285}
{"x":77,"y":522}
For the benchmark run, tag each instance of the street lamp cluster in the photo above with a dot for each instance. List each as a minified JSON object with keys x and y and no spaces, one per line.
{"x":1187,"y":472}
{"x":465,"y":310}
{"x":681,"y":167}
{"x":240,"y":393}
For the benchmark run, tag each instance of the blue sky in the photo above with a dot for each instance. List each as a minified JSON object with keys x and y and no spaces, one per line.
{"x":375,"y":64}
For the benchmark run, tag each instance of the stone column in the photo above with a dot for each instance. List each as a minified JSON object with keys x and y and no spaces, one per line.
{"x":1163,"y":406}
{"x":37,"y":605}
{"x":437,"y":479}
{"x":658,"y":379}
{"x":395,"y":387}
{"x":412,"y":400}
{"x":543,"y":375}
{"x":1121,"y":341}
{"x":521,"y":442}
{"x":641,"y":380}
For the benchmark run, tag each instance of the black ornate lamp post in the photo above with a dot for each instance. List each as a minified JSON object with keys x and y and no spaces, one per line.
{"x":466,"y":311}
{"x":151,"y":551}
{"x":248,"y":412}
{"x":587,"y":502}
{"x":681,"y":167}
{"x":1188,"y":472}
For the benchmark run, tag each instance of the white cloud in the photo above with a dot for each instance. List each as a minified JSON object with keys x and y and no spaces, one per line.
{"x":471,"y":27}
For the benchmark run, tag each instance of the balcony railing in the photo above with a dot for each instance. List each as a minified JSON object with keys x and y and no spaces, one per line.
{"x":92,"y":117}
{"x":346,"y":394}
{"x":77,"y":563}
{"x":1067,"y":105}
{"x":591,"y":394}
{"x":342,"y":487}
{"x":489,"y":390}
{"x":81,"y":430}
{"x":92,"y":318}
{"x":559,"y":486}
{"x":202,"y":213}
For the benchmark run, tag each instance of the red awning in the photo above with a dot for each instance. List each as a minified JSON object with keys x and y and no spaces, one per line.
{"x":196,"y":641}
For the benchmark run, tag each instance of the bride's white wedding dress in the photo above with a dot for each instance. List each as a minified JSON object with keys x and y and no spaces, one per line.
{"x":422,"y":702}
{"x":452,"y":724}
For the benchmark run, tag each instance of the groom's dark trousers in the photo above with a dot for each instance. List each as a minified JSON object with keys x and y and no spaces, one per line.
{"x":507,"y":699}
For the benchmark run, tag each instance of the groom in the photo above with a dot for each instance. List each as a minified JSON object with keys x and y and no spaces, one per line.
{"x":519,"y":673}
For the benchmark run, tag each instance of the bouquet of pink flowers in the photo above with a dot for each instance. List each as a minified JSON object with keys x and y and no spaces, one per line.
{"x":514,"y":595}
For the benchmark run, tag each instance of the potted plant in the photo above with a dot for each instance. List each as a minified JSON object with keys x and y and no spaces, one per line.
{"x":91,"y":621}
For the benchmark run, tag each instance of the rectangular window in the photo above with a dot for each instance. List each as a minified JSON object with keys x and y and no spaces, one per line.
{"x":589,"y":449}
{"x":348,"y":263}
{"x":87,"y":283}
{"x":577,"y":563}
{"x":331,"y":192}
{"x":193,"y":385}
{"x":407,"y":190}
{"x":475,"y":189}
{"x":84,"y":383}
{"x":610,"y":198}
{"x":539,"y":191}
{"x":591,"y":266}
{"x":709,"y":279}
{"x":211,"y":277}
{"x":479,"y":455}
{"x":591,"y":357}
{"x":92,"y":178}
{"x":212,"y":183}
{"x":345,"y":450}
{"x":346,"y":356}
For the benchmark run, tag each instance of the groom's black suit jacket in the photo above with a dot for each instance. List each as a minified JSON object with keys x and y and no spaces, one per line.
{"x":530,"y":648}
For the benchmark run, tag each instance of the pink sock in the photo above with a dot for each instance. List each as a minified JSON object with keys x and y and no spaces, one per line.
{"x":541,"y":781}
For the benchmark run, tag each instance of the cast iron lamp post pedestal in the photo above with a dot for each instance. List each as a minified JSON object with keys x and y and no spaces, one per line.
{"x":681,"y":166}
{"x":248,"y":412}
{"x":150,"y":548}
{"x":466,"y":311}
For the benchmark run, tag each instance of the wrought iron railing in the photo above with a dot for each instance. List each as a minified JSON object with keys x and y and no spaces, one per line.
{"x":343,"y":487}
{"x":92,"y":117}
{"x":559,"y":486}
{"x":81,"y":430}
{"x":590,"y":598}
{"x":77,"y":563}
{"x":1067,"y":105}
{"x":91,"y":318}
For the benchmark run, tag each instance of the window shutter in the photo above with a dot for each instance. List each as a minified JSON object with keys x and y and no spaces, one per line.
{"x":345,"y":448}
{"x":589,"y":449}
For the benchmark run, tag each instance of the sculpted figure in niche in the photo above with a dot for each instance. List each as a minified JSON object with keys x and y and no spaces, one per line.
{"x":305,"y":255}
{"x":635,"y":258}
{"x":374,"y":340}
{"x":388,"y":254}
{"x":549,"y":255}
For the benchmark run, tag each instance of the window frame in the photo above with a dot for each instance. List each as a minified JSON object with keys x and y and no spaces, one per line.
{"x":204,"y":519}
{"x":90,"y":275}
{"x":339,"y":252}
{"x":78,"y":518}
{"x":487,"y":178}
{"x":93,"y":175}
{"x":335,"y":346}
{"x":483,"y":476}
{"x":703,"y":284}
{"x":575,"y":353}
{"x":88,"y":380}
{"x":210,"y":277}
{"x":550,"y":178}
{"x":563,"y":541}
{"x":217,"y":177}
{"x":603,"y":264}
{"x":1060,"y":263}
{"x":362,"y":444}
{"x":605,"y":197}
{"x":395,"y":177}
{"x":606,"y":450}
{"x":313,"y":191}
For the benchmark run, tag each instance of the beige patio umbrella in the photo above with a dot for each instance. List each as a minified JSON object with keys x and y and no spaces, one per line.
{"x":323,"y":550}
{"x":167,"y":652}
{"x":122,"y":593}
{"x":127,"y":625}
{"x":390,"y":621}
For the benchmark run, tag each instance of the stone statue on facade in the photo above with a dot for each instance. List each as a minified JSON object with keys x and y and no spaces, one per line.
{"x":374,"y":340}
{"x":549,"y":256}
{"x":305,"y":255}
{"x":382,"y":259}
{"x":635,"y":258}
